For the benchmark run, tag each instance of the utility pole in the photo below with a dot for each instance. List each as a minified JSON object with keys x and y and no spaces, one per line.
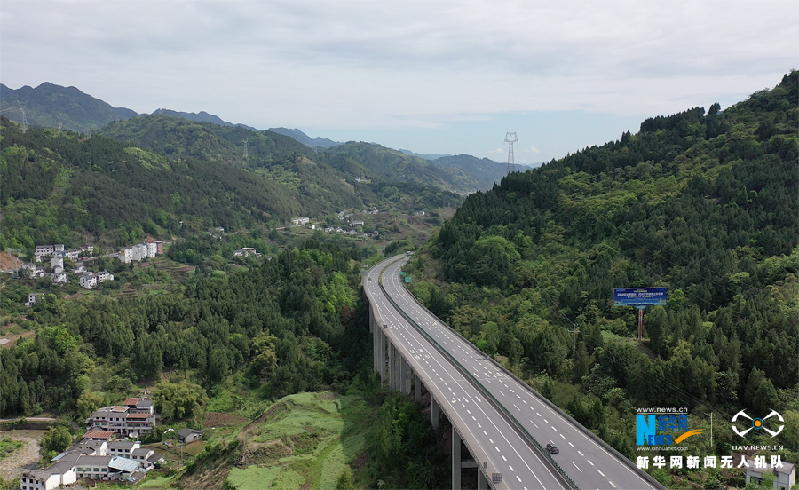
{"x":574,"y":332}
{"x":510,"y":139}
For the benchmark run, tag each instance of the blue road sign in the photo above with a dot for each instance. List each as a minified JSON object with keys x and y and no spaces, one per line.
{"x":639,"y":296}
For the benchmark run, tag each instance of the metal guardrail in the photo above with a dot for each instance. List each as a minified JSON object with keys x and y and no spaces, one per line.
{"x":590,"y":434}
{"x":476,"y":383}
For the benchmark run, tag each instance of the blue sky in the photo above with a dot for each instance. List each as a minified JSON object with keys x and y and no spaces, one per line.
{"x":432,"y":76}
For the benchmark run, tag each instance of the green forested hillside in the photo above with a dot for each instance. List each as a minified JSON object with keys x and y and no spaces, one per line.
{"x":289,"y":325}
{"x":702,"y":203}
{"x":180,"y":137}
{"x":273,"y":154}
{"x":486,"y":172}
{"x":373,"y":161}
{"x":201,"y":116}
{"x":58,"y":185}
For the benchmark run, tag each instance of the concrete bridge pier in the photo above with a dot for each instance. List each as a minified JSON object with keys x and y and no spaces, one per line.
{"x":404,"y":386}
{"x":392,"y":375}
{"x":433,"y":412}
{"x":456,"y":459}
{"x":381,"y":352}
{"x":417,"y":388}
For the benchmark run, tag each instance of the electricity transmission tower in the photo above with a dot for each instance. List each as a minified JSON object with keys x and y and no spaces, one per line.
{"x":24,"y":117}
{"x":510,"y":139}
{"x":246,"y":149}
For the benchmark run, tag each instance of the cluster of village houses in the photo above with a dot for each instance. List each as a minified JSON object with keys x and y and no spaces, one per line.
{"x":57,"y":253}
{"x":342,"y":216}
{"x":109,"y":449}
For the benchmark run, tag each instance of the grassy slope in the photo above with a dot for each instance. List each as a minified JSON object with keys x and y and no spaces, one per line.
{"x":304,"y":440}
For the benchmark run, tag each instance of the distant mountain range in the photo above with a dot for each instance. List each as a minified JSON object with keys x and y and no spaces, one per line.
{"x":54,"y":106}
{"x":305,"y":139}
{"x":426,"y":156}
{"x":486,"y":172}
{"x":201,"y":117}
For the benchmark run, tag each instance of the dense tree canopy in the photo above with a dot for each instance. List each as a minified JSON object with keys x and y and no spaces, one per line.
{"x":289,"y":325}
{"x":704,"y":204}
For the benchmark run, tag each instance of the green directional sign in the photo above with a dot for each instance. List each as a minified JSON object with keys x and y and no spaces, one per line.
{"x":407,"y":278}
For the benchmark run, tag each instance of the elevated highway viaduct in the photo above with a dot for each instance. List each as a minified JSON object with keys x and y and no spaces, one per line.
{"x":502,"y":421}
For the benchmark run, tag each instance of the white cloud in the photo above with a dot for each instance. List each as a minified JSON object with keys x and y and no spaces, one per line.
{"x":352,"y":64}
{"x":534,"y":150}
{"x":498,"y":151}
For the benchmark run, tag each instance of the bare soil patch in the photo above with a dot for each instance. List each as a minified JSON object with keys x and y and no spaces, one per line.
{"x":12,"y":338}
{"x":23,"y":458}
{"x":8,"y":262}
{"x":218,"y":419}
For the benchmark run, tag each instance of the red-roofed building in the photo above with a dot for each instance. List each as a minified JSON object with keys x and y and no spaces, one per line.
{"x":99,"y":435}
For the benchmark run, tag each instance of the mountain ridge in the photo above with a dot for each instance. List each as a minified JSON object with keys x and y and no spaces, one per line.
{"x":305,"y":139}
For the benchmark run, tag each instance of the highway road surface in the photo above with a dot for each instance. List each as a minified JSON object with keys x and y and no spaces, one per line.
{"x":588,"y":463}
{"x":486,"y":432}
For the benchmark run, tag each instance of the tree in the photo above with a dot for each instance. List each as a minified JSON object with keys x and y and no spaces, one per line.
{"x":56,"y":439}
{"x":179,"y":400}
{"x":88,"y":402}
{"x":344,"y":481}
{"x":765,"y":398}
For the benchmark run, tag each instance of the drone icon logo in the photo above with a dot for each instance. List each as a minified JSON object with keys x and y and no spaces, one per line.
{"x":757,"y":423}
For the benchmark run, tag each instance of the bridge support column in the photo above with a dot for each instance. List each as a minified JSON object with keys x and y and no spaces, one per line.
{"x":417,"y":388}
{"x":433,"y":412}
{"x":382,"y":348}
{"x":397,"y":362}
{"x":456,"y":459}
{"x":403,"y":375}
{"x":375,"y":342}
{"x":482,"y":481}
{"x":392,"y":378}
{"x":371,"y":320}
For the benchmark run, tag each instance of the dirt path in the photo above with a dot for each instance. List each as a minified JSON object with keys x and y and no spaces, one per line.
{"x":25,"y":457}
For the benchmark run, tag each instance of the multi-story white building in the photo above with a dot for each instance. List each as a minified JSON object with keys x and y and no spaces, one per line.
{"x":88,"y":280}
{"x":104,"y":276}
{"x":140,"y":251}
{"x":35,"y":270}
{"x":47,"y":250}
{"x":59,"y":277}
{"x":32,"y":298}
{"x":135,"y":416}
{"x":57,"y":475}
{"x":96,"y":457}
{"x":57,"y":261}
{"x":302,"y":220}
